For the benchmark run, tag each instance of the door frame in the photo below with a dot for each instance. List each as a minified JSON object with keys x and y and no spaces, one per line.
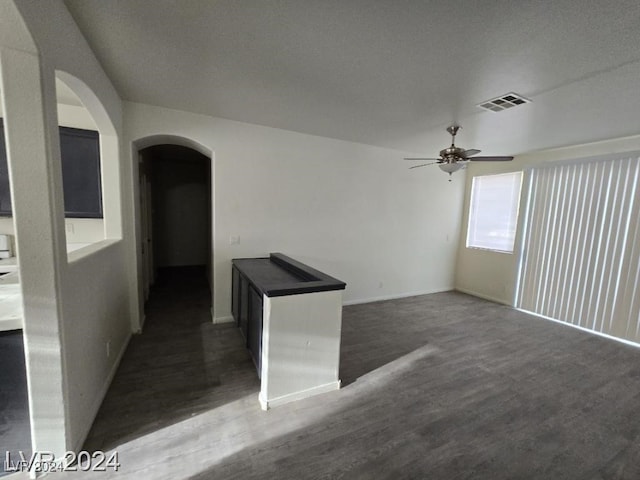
{"x":137,"y":279}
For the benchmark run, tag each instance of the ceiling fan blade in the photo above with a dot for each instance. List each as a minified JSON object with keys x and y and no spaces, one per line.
{"x":423,"y":165}
{"x":471,"y":152}
{"x":491,"y":159}
{"x":424,"y":159}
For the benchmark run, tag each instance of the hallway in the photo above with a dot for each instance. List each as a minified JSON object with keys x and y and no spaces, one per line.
{"x":181,"y":365}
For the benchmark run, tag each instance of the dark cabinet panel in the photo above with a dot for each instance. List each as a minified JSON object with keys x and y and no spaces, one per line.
{"x":255,"y":328}
{"x":244,"y":306}
{"x":235,"y":294}
{"x":80,"y":157}
{"x":5,"y":191}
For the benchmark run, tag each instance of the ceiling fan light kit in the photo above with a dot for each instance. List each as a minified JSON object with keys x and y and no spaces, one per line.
{"x":455,"y":158}
{"x":451,"y":167}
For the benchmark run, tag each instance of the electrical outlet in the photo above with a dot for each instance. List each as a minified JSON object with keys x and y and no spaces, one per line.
{"x":234,"y":240}
{"x":70,"y":228}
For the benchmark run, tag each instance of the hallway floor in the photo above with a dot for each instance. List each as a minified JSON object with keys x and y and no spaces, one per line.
{"x":180,"y":366}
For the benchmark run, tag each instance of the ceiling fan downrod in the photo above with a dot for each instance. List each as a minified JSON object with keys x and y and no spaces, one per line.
{"x":453,"y":129}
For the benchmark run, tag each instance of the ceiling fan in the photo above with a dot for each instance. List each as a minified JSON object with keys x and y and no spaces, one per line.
{"x":455,"y":158}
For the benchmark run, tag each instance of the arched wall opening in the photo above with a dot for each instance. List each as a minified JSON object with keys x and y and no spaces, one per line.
{"x":37,"y":101}
{"x":173,"y":191}
{"x":95,"y":300}
{"x":80,"y":114}
{"x":90,"y":149}
{"x":75,"y":314}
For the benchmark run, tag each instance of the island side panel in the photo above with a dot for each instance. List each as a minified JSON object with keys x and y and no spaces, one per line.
{"x":300,"y":346}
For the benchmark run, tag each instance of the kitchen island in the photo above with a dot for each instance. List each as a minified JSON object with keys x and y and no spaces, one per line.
{"x":291,"y":317}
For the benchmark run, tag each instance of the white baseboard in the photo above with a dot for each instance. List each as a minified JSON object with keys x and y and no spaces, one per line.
{"x":291,"y":397}
{"x":483,"y":296}
{"x":95,"y":406}
{"x":396,"y":296}
{"x":226,"y":319}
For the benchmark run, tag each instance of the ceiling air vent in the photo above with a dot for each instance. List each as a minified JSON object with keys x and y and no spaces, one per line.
{"x":505,"y":101}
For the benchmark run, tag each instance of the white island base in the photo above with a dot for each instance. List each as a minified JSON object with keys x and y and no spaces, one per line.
{"x":300,"y":346}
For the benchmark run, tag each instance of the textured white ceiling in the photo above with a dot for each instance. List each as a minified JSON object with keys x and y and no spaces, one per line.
{"x":390,"y":73}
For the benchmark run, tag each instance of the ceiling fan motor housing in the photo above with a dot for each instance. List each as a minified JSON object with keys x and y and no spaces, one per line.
{"x":453,"y":154}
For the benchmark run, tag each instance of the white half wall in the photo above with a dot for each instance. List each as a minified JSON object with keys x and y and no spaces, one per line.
{"x":96,"y":329}
{"x":300,"y":346}
{"x":493,"y":275}
{"x":353,"y":211}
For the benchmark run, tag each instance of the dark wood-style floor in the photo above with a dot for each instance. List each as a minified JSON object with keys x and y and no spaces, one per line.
{"x":15,"y":434}
{"x":443,"y":386}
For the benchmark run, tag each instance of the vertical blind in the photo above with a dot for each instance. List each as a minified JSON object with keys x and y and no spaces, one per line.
{"x":581,"y":245}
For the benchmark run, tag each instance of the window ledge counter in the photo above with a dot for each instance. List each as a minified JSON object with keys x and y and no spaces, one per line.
{"x":291,"y":317}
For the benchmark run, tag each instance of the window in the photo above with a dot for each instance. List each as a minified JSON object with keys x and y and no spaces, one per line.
{"x":80,"y":156}
{"x":493,"y":214}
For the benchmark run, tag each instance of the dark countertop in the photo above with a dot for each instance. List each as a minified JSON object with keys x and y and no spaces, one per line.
{"x":280,"y":275}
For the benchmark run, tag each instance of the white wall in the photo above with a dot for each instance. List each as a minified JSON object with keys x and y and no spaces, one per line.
{"x":75,"y":117}
{"x":353,"y":211}
{"x":79,"y":230}
{"x":493,"y":275}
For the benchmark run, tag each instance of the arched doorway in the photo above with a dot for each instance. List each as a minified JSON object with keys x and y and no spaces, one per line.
{"x":175,"y":212}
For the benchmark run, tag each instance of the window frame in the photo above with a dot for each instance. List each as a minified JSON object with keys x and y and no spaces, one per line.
{"x":472,"y":242}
